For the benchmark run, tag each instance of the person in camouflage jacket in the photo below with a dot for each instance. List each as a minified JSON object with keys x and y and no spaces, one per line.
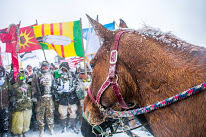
{"x":22,"y":110}
{"x":5,"y":92}
{"x":42,"y":84}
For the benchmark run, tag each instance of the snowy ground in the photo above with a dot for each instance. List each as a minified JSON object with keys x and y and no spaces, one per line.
{"x":140,"y":132}
{"x":70,"y":134}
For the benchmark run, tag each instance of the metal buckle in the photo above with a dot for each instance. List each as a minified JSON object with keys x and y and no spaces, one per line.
{"x":113,"y":57}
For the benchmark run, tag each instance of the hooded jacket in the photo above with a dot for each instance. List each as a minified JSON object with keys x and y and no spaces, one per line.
{"x":70,"y":96}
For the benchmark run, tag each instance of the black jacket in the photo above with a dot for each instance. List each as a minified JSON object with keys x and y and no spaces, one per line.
{"x":71,"y":96}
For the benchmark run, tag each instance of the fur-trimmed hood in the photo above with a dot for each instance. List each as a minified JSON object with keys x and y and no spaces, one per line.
{"x":64,"y":65}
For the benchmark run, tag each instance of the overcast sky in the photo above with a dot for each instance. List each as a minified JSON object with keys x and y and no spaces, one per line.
{"x":184,"y":18}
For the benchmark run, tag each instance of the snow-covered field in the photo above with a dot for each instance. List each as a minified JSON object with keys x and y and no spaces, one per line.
{"x":57,"y":133}
{"x":70,"y":134}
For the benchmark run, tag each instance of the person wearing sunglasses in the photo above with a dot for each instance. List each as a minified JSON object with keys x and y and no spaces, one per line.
{"x":22,"y":110}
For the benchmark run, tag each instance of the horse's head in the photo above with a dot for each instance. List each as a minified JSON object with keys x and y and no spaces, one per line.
{"x":151,"y":66}
{"x":101,"y":65}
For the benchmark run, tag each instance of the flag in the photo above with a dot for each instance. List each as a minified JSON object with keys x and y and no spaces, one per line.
{"x":5,"y":36}
{"x":27,"y":40}
{"x":109,"y":26}
{"x":92,"y":45}
{"x":73,"y":61}
{"x":12,"y":42}
{"x":28,"y":56}
{"x":56,"y":40}
{"x":76,"y":60}
{"x":68,"y":29}
{"x":8,"y":36}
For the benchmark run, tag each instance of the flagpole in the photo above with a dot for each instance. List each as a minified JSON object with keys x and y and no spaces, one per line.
{"x":97,"y":19}
{"x":85,"y":67}
{"x":44,"y":55}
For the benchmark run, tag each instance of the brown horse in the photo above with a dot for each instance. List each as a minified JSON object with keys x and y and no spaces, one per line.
{"x":152,"y":66}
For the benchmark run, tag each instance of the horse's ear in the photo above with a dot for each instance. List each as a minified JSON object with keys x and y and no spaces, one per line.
{"x":102,"y":32}
{"x":122,"y":24}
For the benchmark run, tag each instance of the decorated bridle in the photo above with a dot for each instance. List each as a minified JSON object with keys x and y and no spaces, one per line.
{"x":112,"y":74}
{"x":109,"y":112}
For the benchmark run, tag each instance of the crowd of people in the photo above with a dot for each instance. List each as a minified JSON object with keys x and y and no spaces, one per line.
{"x":41,"y":97}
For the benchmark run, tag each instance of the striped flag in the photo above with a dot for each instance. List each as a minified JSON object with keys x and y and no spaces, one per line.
{"x":73,"y":61}
{"x":72,"y":30}
{"x":72,"y":65}
{"x":77,"y":60}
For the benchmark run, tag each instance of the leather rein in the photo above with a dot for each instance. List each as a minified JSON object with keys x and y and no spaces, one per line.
{"x":112,"y":74}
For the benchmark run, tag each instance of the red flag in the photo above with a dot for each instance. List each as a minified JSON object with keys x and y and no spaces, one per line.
{"x":13,"y":44}
{"x":27,"y":40}
{"x":5,"y":36}
{"x":11,"y":40}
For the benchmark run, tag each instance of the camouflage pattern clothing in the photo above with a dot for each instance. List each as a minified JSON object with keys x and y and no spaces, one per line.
{"x":42,"y":90}
{"x":45,"y":106}
{"x":22,"y":95}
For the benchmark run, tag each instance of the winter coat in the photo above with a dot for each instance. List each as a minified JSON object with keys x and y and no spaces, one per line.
{"x":71,"y":96}
{"x":5,"y":92}
{"x":37,"y":88}
{"x":22,"y":97}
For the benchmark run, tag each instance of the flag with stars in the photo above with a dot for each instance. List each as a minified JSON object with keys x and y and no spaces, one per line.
{"x":27,"y":41}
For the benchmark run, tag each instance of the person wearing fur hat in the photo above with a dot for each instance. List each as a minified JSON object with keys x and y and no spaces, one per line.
{"x":22,"y":111}
{"x":5,"y":92}
{"x":68,"y":99}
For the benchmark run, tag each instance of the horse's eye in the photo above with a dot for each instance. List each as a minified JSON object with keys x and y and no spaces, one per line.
{"x":92,"y":65}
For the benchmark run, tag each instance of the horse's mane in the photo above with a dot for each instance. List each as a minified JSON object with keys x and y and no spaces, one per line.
{"x":168,"y":38}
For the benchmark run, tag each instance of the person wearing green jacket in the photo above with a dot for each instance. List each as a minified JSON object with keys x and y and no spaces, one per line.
{"x":22,"y":110}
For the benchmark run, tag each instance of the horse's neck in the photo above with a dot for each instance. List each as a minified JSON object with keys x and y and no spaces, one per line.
{"x":160,"y":71}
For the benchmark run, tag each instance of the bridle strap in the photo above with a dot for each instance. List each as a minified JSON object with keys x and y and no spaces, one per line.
{"x":112,"y":74}
{"x":90,"y":95}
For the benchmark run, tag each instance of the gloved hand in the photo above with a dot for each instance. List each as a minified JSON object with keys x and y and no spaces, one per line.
{"x":59,"y":91}
{"x":59,"y":88}
{"x":12,"y":105}
{"x":34,"y":100}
